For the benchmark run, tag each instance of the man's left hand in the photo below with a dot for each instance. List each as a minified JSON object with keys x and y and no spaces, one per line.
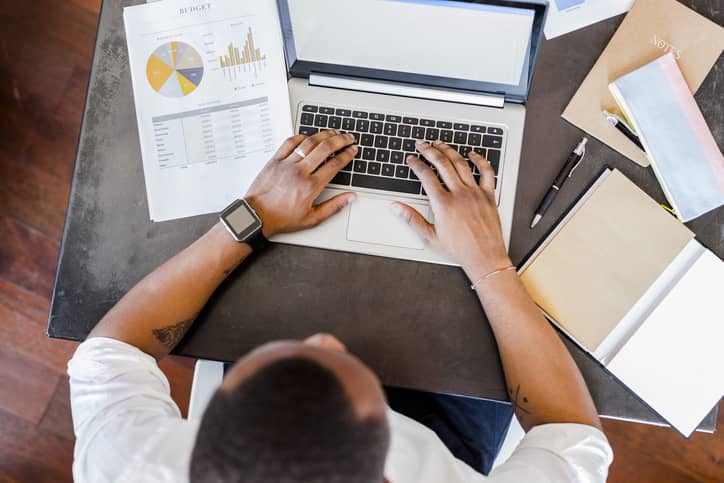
{"x":284,"y":192}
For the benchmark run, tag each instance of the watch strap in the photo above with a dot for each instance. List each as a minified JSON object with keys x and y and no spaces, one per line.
{"x":257,"y":241}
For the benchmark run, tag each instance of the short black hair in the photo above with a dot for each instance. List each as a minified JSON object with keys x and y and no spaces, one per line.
{"x":290,"y":422}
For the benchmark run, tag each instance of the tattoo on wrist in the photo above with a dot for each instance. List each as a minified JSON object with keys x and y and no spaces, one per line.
{"x":170,"y":336}
{"x":517,"y":400}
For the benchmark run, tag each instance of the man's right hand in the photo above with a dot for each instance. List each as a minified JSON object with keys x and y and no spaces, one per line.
{"x":467,"y":226}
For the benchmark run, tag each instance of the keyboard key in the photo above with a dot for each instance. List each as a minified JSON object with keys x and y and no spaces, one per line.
{"x":410,"y":120}
{"x":376,"y":127}
{"x":427,"y":122}
{"x":373,"y":168}
{"x":388,"y":169}
{"x":480,"y":151}
{"x":418,"y":132}
{"x":495,"y":130}
{"x":460,"y":137}
{"x":492,"y":141}
{"x":349,"y":167}
{"x":444,"y":124}
{"x":461,"y":127}
{"x":380,"y":141}
{"x":356,"y":137}
{"x":335,"y":122}
{"x":391,"y":118}
{"x":363,"y":125}
{"x":390,"y":129}
{"x":359,"y":114}
{"x":395,"y":143}
{"x":368,"y":154}
{"x":494,"y":158}
{"x":320,"y":120}
{"x":402,"y":171}
{"x":477,"y":178}
{"x":387,"y":184}
{"x":308,"y":131}
{"x":309,"y":108}
{"x":367,"y":140}
{"x":375,"y":116}
{"x":360,"y":166}
{"x":383,"y":156}
{"x":414,"y":176}
{"x":342,"y":178}
{"x":473,"y":167}
{"x":446,"y":136}
{"x":343,"y":112}
{"x":403,"y":130}
{"x":397,"y":157}
{"x":358,"y":154}
{"x":326,"y":110}
{"x":307,"y":119}
{"x":348,"y":124}
{"x":408,"y":145}
{"x":474,"y":139}
{"x":464,"y":151}
{"x":454,"y":146}
{"x":432,"y":134}
{"x":478,"y":129}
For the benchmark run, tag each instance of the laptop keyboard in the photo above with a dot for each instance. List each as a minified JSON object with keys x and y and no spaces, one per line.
{"x":385,"y":141}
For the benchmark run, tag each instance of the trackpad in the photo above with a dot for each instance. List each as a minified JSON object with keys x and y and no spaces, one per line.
{"x":371,"y":221}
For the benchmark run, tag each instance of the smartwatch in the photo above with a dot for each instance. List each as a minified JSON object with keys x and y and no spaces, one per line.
{"x":244,"y":224}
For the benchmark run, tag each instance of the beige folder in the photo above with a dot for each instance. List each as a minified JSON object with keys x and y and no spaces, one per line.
{"x":651,"y":29}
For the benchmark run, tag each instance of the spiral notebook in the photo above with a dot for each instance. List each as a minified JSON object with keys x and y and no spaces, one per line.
{"x":632,"y":286}
{"x":683,"y":152}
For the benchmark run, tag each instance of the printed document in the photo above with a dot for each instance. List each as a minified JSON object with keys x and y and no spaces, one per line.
{"x":568,"y":15}
{"x":212,"y":104}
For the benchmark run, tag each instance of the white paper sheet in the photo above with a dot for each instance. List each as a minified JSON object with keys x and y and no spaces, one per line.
{"x":212,"y":103}
{"x":568,"y":15}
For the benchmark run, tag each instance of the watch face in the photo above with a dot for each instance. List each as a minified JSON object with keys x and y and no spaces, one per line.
{"x":241,"y":220}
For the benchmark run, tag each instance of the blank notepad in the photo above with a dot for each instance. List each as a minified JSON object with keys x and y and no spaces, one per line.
{"x":675,"y":361}
{"x":603,"y":259}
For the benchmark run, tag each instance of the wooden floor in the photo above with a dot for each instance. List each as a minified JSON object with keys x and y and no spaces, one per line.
{"x":45,"y":53}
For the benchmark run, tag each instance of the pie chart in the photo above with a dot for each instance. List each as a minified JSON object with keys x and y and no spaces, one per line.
{"x":175,"y":69}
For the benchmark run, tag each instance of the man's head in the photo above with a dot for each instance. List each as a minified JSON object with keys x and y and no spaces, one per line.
{"x":294,"y":412}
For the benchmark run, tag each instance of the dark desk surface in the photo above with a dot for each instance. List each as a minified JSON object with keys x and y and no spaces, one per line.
{"x":417,"y":325}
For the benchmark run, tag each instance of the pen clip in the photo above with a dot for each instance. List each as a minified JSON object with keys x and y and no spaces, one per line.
{"x":583,"y":155}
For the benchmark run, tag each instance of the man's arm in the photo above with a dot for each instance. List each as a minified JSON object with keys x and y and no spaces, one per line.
{"x":544,"y":384}
{"x":159,"y":310}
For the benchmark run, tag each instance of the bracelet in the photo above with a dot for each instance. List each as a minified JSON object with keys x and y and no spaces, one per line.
{"x":491,"y":274}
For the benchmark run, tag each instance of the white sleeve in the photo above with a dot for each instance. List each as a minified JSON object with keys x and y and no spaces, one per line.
{"x":558,"y":453}
{"x":121,"y":403}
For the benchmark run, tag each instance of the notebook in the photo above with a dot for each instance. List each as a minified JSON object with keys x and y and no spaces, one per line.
{"x":632,"y":286}
{"x":651,"y":29}
{"x":683,"y":152}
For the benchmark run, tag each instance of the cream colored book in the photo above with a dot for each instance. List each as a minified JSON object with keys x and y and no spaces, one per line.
{"x":632,"y":286}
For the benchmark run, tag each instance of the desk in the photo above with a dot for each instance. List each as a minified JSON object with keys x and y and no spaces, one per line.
{"x":417,"y":325}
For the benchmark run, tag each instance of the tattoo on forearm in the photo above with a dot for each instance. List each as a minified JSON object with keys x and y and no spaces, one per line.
{"x":517,"y":400}
{"x":170,"y":336}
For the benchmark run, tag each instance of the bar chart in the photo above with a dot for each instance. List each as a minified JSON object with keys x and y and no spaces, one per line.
{"x":246,"y":59}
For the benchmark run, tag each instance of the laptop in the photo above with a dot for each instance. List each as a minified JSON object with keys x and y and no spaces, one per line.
{"x":392,"y":72}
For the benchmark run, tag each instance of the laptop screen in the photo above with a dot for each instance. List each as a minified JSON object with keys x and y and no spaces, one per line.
{"x":474,"y":43}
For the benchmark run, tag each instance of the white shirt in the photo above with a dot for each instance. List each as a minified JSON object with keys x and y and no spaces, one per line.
{"x":128,"y":429}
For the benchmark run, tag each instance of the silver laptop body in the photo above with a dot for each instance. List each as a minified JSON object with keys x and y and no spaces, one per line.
{"x":363,"y":66}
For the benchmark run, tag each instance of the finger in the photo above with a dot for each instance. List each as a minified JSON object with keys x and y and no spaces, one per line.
{"x":461,"y":166}
{"x":288,"y":146}
{"x":444,"y":165}
{"x":325,"y":149}
{"x":427,"y":176}
{"x":308,"y":145}
{"x":330,"y":169}
{"x":487,"y":175}
{"x":328,"y":208}
{"x":417,"y":222}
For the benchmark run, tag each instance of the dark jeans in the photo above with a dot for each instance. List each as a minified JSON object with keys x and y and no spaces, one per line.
{"x":472,"y":429}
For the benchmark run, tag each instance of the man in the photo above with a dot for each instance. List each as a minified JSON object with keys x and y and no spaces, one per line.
{"x":308,"y":411}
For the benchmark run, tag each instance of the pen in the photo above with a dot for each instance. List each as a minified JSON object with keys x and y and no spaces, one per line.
{"x":574,"y":159}
{"x":619,"y":124}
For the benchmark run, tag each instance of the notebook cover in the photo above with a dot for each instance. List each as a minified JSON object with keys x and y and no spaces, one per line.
{"x":651,"y":28}
{"x":605,"y":257}
{"x":684,"y":154}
